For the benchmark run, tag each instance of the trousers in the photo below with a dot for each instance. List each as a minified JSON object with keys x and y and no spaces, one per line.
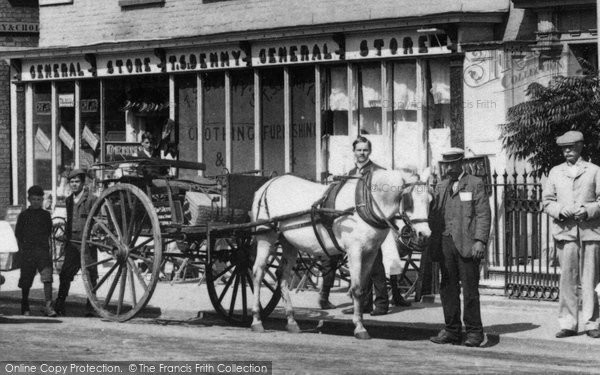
{"x":457,"y":271}
{"x":579,"y":262}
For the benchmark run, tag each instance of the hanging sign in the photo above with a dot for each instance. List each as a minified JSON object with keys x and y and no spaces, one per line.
{"x":66,"y":137}
{"x":41,"y":70}
{"x":121,"y":150}
{"x":43,"y":139}
{"x":212,"y":58}
{"x":43,"y":108}
{"x":66,"y":100}
{"x":90,"y":137}
{"x":129,"y":64}
{"x":395,"y":44}
{"x":89,"y":105}
{"x":296,"y":52}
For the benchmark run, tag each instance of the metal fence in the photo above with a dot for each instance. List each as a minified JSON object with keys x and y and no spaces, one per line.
{"x":522,"y":244}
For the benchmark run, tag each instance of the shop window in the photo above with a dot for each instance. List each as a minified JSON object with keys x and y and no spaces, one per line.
{"x":303,"y":122}
{"x":369,"y":99}
{"x":213,"y":114}
{"x":583,"y":59}
{"x":186,"y":92}
{"x":405,"y":102}
{"x":90,"y":123}
{"x":438,"y":84}
{"x":42,"y":135}
{"x":65,"y":144}
{"x":272,"y":127}
{"x":335,"y":100}
{"x":242,"y":121}
{"x":133,"y":106}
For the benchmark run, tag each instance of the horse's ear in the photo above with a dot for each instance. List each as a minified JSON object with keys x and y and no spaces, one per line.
{"x":425,"y":175}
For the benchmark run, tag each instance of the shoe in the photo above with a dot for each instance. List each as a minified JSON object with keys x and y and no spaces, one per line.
{"x":474,"y":341}
{"x":401,"y":302}
{"x":49,"y":311}
{"x":59,"y":307}
{"x":378,"y":311}
{"x":593,"y":333}
{"x":326,"y":305}
{"x":446,"y":338}
{"x":565,"y":333}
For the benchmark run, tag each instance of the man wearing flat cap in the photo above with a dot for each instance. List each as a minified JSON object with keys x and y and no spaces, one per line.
{"x":572,"y":198}
{"x":460,"y":220}
{"x":79,"y":204}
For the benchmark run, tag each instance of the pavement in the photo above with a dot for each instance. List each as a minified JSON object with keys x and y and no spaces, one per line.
{"x":505,"y":320}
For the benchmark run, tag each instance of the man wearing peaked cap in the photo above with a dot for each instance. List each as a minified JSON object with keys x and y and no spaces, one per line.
{"x":77,"y":172}
{"x":572,"y":198}
{"x":460,"y":224}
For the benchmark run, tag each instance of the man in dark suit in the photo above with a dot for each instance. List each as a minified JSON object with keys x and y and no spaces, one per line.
{"x":461,"y":217}
{"x":363,"y":166}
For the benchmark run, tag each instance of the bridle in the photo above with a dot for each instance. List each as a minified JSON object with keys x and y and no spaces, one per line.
{"x":404,"y":236}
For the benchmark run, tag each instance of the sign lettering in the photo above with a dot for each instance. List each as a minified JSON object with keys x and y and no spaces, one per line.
{"x":19,"y":27}
{"x":110,"y":66}
{"x":309,"y":51}
{"x":210,"y":59}
{"x":43,"y":70}
{"x":395,"y":45}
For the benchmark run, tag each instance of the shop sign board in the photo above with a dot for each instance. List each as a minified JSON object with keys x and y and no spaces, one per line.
{"x":66,"y":100}
{"x":129,"y":64}
{"x":296,"y":52}
{"x":395,"y":44}
{"x":121,"y":150}
{"x":19,"y":27}
{"x":43,"y":139}
{"x":43,"y":108}
{"x":45,"y":70}
{"x":207,"y":58}
{"x":90,"y":137}
{"x":89,"y":105}
{"x":66,"y":138}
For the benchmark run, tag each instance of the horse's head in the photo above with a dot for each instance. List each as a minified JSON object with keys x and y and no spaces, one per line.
{"x":413,"y":224}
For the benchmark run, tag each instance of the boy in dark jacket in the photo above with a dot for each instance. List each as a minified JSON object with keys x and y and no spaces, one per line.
{"x":33,"y":230}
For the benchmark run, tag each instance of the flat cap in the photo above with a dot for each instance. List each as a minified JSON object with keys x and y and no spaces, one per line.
{"x":36,"y":190}
{"x":77,"y":172}
{"x":453,"y":154}
{"x":569,"y":138}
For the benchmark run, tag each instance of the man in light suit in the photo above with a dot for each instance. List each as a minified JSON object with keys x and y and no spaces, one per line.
{"x":572,"y":198}
{"x":461,"y":217}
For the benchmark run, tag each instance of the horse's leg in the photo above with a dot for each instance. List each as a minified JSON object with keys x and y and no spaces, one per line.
{"x":264,"y":247}
{"x":359,"y":263}
{"x":289,"y":260}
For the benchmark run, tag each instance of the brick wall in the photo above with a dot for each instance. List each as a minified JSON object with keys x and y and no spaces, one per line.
{"x":92,"y":21}
{"x":11,"y":13}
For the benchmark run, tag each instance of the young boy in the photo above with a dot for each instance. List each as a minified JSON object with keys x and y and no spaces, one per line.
{"x":33,"y":230}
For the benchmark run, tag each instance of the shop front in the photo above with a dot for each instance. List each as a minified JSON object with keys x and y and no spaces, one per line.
{"x":281,"y":106}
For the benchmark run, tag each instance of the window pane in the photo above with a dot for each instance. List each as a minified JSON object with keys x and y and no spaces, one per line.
{"x":369,"y":94}
{"x":242,"y":118}
{"x":439,"y":94}
{"x":408,"y":136}
{"x":213,"y":93}
{"x":42,"y":133}
{"x":186,"y":118}
{"x":65,"y":144}
{"x":90,"y":118}
{"x":303,"y":122}
{"x":336,"y":101}
{"x":272,"y":120}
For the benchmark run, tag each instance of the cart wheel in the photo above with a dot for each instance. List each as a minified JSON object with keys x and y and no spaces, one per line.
{"x":58,"y":242}
{"x":229,"y":279}
{"x":121,"y":245}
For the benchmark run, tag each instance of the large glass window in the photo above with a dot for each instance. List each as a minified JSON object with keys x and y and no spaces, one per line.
{"x":303,"y":122}
{"x":408,"y":135}
{"x":369,"y":98}
{"x":89,"y":103}
{"x":242,"y":121}
{"x":186,"y":117}
{"x":439,"y":94}
{"x":273,"y":120}
{"x":213,"y":110}
{"x":42,"y":135}
{"x":335,"y":100}
{"x":65,"y":144}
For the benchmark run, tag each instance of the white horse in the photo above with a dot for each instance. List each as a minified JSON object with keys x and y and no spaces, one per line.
{"x":360,"y":240}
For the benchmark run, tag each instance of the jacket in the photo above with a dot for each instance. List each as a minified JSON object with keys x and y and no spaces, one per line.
{"x":582,"y":190}
{"x":465,"y":215}
{"x":77,"y":214}
{"x":368,"y":167}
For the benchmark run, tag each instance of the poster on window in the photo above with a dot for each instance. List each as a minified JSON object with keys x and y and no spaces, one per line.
{"x":43,"y":139}
{"x":66,"y":138}
{"x":90,"y":138}
{"x":66,"y":100}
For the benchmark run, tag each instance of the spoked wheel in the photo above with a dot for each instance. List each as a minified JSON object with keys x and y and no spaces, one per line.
{"x":58,"y":242}
{"x":230,"y":283}
{"x":121,"y":252}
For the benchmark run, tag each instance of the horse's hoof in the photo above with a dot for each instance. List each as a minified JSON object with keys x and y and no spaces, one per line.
{"x":257,"y":327}
{"x":362,"y":335}
{"x":292,"y":328}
